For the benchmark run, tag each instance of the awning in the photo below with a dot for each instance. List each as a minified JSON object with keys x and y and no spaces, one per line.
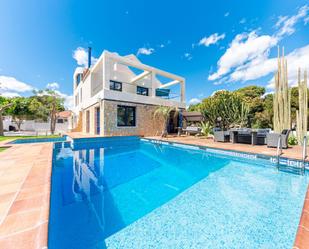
{"x":192,"y":116}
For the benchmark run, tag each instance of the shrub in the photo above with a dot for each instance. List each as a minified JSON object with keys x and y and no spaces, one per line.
{"x":292,"y":140}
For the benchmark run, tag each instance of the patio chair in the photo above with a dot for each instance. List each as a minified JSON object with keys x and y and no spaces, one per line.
{"x":221,"y":136}
{"x":272,"y":139}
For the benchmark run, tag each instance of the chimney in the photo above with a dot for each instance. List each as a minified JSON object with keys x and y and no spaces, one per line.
{"x":89,"y":57}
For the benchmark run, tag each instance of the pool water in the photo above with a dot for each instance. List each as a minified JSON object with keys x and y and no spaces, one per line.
{"x":128,"y":193}
{"x":39,"y":140}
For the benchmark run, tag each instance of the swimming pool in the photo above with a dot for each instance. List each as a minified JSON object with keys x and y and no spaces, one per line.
{"x":131,"y":193}
{"x":39,"y":140}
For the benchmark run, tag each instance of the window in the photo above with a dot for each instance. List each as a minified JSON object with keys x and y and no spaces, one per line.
{"x":142,"y":90}
{"x":78,"y":78}
{"x":97,"y":120}
{"x":76,"y":99}
{"x":115,"y":85}
{"x":60,"y":121}
{"x":125,"y":115}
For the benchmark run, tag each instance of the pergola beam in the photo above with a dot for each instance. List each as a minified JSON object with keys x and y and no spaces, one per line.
{"x":140,"y":76}
{"x":174,"y":82}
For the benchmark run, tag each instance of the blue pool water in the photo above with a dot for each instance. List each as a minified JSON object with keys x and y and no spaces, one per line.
{"x":128,"y":193}
{"x":38,"y":140}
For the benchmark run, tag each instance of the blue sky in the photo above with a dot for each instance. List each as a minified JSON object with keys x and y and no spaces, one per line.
{"x":213,"y":44}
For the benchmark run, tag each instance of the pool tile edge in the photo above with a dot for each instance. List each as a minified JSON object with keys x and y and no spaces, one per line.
{"x":302,"y":235}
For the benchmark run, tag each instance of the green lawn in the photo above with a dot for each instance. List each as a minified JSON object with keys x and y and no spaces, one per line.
{"x":2,"y":148}
{"x":2,"y":138}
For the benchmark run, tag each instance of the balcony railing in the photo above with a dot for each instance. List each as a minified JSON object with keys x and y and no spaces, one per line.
{"x":163,"y":93}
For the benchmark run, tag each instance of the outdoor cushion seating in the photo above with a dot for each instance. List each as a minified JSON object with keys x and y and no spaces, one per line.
{"x":272,"y":139}
{"x":244,"y":135}
{"x":192,"y":130}
{"x":221,"y":136}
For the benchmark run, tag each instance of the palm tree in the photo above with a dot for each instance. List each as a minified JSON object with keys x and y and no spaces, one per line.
{"x":164,"y":112}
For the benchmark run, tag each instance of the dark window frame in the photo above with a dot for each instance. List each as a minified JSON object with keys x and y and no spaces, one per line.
{"x":112,"y":84}
{"x":142,"y":89}
{"x":97,"y":120}
{"x":79,"y":78}
{"x":126,"y":116}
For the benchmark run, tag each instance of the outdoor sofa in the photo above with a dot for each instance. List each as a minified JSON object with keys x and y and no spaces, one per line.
{"x":249,"y":136}
{"x":273,"y":138}
{"x":192,"y":130}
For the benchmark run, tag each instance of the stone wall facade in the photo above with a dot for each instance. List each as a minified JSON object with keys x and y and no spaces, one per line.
{"x":146,"y":123}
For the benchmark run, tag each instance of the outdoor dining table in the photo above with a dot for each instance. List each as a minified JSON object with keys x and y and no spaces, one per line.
{"x":253,"y":134}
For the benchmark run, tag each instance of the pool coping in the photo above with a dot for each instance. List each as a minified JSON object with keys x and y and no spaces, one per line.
{"x":288,"y":161}
{"x":26,"y":222}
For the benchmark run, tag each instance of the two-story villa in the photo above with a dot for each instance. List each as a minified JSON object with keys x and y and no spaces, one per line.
{"x":118,"y":95}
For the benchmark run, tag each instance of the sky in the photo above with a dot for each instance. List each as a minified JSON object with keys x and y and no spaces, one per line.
{"x":214,"y":45}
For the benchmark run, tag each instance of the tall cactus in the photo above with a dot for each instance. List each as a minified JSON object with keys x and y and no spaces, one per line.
{"x":301,"y":113}
{"x":282,"y":96}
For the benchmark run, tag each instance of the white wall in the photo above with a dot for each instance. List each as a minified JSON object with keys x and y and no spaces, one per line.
{"x":30,"y":125}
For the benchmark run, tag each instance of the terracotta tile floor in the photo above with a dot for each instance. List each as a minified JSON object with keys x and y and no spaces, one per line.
{"x":25,"y":172}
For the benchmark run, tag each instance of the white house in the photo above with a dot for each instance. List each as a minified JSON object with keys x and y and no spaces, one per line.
{"x":118,"y":96}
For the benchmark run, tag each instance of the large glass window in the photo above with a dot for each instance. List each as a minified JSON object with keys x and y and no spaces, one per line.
{"x":115,"y":85}
{"x":126,"y":115}
{"x":142,"y":90}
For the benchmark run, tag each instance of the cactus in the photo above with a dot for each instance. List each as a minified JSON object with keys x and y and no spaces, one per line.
{"x":301,"y":113}
{"x":282,"y":96}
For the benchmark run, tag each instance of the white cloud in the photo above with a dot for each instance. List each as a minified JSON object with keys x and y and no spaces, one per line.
{"x":52,"y":86}
{"x":194,"y":101}
{"x":145,"y":51}
{"x":10,"y":84}
{"x":10,"y":94}
{"x":68,"y":101}
{"x":297,"y":58}
{"x":306,"y":20}
{"x":245,"y":47}
{"x":242,"y":21}
{"x":247,"y":57}
{"x":226,"y":14}
{"x":286,"y":24}
{"x":212,"y":39}
{"x":81,"y":56}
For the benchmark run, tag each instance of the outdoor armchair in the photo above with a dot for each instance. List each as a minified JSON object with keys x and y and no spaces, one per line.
{"x":272,"y":139}
{"x":221,"y":136}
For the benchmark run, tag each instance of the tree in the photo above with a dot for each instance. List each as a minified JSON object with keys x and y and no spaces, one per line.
{"x":20,"y":111}
{"x":47,"y":104}
{"x":164,"y":112}
{"x":4,"y":105}
{"x":225,"y":109}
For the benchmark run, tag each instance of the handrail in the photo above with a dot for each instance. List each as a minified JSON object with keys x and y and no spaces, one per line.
{"x":304,"y":154}
{"x":279,"y":150}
